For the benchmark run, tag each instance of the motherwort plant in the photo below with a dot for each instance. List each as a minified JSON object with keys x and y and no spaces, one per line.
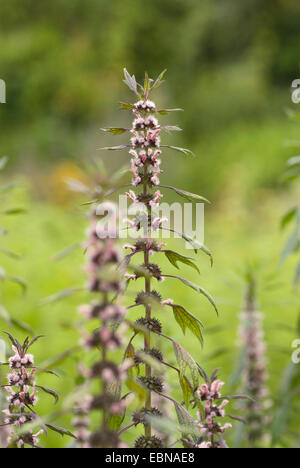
{"x":145,"y":231}
{"x":102,"y":335}
{"x":22,"y":389}
{"x":254,"y":364}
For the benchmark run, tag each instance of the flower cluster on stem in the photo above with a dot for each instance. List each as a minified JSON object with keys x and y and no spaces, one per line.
{"x":145,"y":149}
{"x":254,"y":375}
{"x":212,"y":430}
{"x":104,"y":281}
{"x":22,"y":397}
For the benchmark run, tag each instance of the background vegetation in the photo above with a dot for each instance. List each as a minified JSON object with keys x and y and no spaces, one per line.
{"x":230,"y":66}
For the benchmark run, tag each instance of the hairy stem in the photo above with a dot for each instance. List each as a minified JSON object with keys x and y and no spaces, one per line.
{"x":147,"y":343}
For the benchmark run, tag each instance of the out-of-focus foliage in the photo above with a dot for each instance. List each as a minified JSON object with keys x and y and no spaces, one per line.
{"x":228,"y":64}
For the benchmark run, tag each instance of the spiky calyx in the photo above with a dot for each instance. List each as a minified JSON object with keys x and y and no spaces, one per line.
{"x":153,"y":384}
{"x":152,"y":324}
{"x":147,"y":299}
{"x":140,"y":417}
{"x":154,"y":353}
{"x":151,"y":269}
{"x":148,"y":443}
{"x":148,"y":244}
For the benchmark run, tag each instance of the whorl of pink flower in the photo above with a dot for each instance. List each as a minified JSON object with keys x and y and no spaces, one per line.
{"x":22,"y":396}
{"x":254,"y":375}
{"x":103,"y":278}
{"x":211,"y":428}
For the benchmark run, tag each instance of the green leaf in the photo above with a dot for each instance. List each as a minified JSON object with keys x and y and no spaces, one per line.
{"x":3,"y":162}
{"x":126,"y":106}
{"x":168,"y":111}
{"x":185,"y":151}
{"x":171,"y":128}
{"x":60,"y":358}
{"x":116,"y":420}
{"x":60,"y":295}
{"x":187,"y":389}
{"x":12,"y":340}
{"x":175,"y":257}
{"x":15,"y":211}
{"x":61,"y":431}
{"x":237,"y":418}
{"x":114,"y":130}
{"x":138,"y":389}
{"x":22,"y":326}
{"x":288,"y":217}
{"x":196,"y":288}
{"x":130,"y":81}
{"x":19,"y":281}
{"x":188,"y":195}
{"x":10,"y":254}
{"x":159,"y":80}
{"x":49,"y":392}
{"x":185,"y":360}
{"x":187,"y":422}
{"x":34,"y":340}
{"x":114,"y":148}
{"x":186,"y":320}
{"x":147,"y":83}
{"x":66,"y":252}
{"x":197,"y":246}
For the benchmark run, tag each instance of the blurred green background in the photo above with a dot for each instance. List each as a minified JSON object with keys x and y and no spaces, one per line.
{"x":230,"y":66}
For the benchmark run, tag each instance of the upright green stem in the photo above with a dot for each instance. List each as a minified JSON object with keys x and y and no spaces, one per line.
{"x":147,"y":343}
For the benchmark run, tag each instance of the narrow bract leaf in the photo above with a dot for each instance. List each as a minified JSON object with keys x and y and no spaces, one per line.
{"x":9,"y":253}
{"x":175,"y":257}
{"x":50,"y":392}
{"x":19,"y":281}
{"x":15,"y":211}
{"x":61,"y":431}
{"x":159,"y":80}
{"x":115,"y":130}
{"x":66,"y":252}
{"x":196,"y":288}
{"x":185,"y":151}
{"x":114,"y":148}
{"x":171,"y":128}
{"x":60,"y":358}
{"x":126,"y":106}
{"x":60,"y":295}
{"x":130,"y":81}
{"x":237,"y":418}
{"x":188,"y":195}
{"x":168,"y":111}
